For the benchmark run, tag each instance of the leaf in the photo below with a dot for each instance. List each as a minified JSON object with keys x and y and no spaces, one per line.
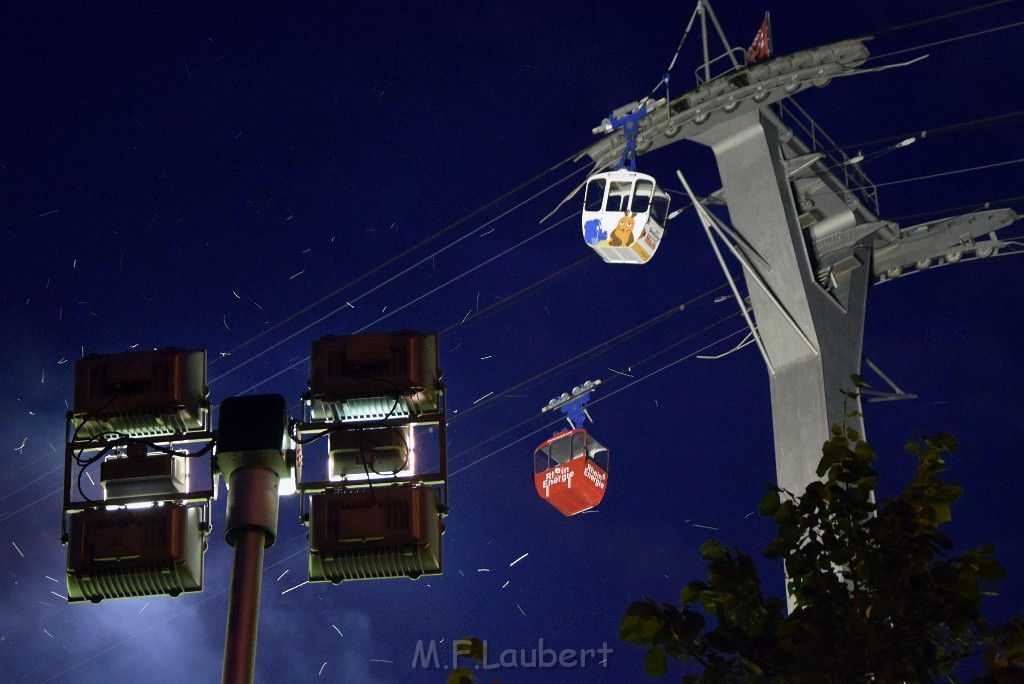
{"x":832,"y":452}
{"x":770,"y":503}
{"x":948,"y":493}
{"x":776,"y":549}
{"x":655,"y":662}
{"x":797,"y":565}
{"x":858,"y":381}
{"x":641,"y":623}
{"x":942,"y":514}
{"x":475,"y":650}
{"x":942,"y":441}
{"x":712,"y":550}
{"x":791,"y":534}
{"x":754,"y":669}
{"x":691,"y":593}
{"x":876,"y":588}
{"x":990,"y":570}
{"x":864,"y":452}
{"x":460,"y":676}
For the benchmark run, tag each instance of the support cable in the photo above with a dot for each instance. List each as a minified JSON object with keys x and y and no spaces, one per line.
{"x":663,"y":350}
{"x":947,"y":40}
{"x":515,"y":295}
{"x":404,"y":306}
{"x":901,"y":139}
{"x":595,"y":401}
{"x":933,"y":19}
{"x":960,"y":209}
{"x":401,"y":273}
{"x":401,"y":255}
{"x":596,"y":348}
{"x":940,"y":174}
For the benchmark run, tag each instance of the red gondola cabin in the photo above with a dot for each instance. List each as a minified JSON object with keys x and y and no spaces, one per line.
{"x":570,"y":471}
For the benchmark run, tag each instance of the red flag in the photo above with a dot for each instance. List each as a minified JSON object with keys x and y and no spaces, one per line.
{"x":761,"y":48}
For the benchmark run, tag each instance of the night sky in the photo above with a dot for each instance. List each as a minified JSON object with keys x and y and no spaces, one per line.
{"x":245,"y":179}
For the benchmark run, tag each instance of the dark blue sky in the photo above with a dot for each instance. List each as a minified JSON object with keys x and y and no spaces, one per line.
{"x":194,"y":178}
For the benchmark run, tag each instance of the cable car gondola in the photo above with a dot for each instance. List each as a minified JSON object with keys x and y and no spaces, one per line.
{"x":624,"y":216}
{"x":570,"y":469}
{"x":624,"y":212}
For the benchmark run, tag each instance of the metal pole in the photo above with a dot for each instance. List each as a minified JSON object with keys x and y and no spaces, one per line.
{"x":244,"y":608}
{"x":250,"y":455}
{"x":704,"y":34}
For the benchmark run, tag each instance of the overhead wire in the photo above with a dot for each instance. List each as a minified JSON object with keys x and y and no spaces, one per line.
{"x":7,"y":516}
{"x":947,"y":40}
{"x":636,"y":330}
{"x":519,"y":293}
{"x":598,"y":347}
{"x":942,"y":174}
{"x":595,"y":401}
{"x":611,"y":378}
{"x":403,"y":272}
{"x":602,"y":345}
{"x":189,"y":608}
{"x":451,"y":226}
{"x":12,"y":492}
{"x":446,"y":229}
{"x":443,"y":231}
{"x":476,"y":212}
{"x":933,"y":19}
{"x":914,"y":179}
{"x":621,"y":337}
{"x":397,"y":257}
{"x":977,"y":206}
{"x":924,"y":133}
{"x":416,"y":299}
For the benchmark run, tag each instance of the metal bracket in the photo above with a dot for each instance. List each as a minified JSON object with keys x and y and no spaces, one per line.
{"x":875,"y":396}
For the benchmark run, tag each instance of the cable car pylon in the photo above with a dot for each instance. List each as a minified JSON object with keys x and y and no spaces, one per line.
{"x":805,"y":225}
{"x":570,"y":470}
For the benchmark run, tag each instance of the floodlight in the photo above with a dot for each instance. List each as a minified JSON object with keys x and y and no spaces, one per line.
{"x":364,"y":454}
{"x":374,"y":376}
{"x":158,"y":475}
{"x":141,"y":394}
{"x":376,"y":533}
{"x":135,"y":552}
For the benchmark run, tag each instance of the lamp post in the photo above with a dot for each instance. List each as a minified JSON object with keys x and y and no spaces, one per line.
{"x":145,"y":416}
{"x":252,"y":455}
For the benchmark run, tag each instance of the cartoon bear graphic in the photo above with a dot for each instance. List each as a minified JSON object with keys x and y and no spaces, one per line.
{"x":622,"y":235}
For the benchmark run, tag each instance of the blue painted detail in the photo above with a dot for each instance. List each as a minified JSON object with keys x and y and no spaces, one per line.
{"x":592,"y":232}
{"x":573,"y":410}
{"x":630,"y":125}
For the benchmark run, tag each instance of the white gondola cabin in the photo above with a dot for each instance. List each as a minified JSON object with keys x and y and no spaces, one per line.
{"x":624,"y":216}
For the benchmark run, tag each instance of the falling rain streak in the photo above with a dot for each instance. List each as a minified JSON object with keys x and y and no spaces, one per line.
{"x":295,"y":587}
